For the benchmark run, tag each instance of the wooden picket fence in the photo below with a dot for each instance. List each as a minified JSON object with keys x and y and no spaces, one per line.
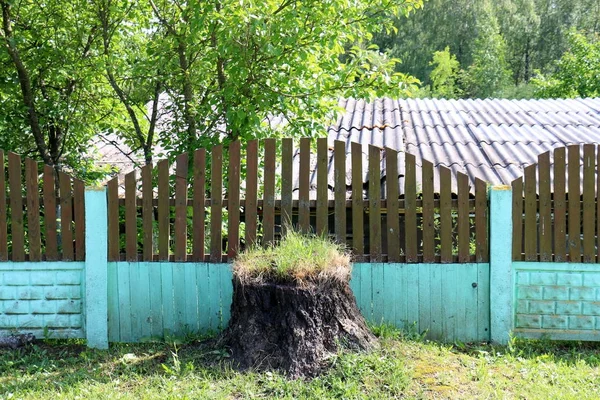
{"x":558,"y":219}
{"x":40,"y":223}
{"x":156,"y":219}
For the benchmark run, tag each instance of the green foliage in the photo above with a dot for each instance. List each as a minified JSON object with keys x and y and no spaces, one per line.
{"x":297,"y":258}
{"x":534,"y":33}
{"x":577,"y":72}
{"x":444,"y":76}
{"x":488,"y":74}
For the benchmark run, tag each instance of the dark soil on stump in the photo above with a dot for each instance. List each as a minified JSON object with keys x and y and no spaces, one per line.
{"x":293,"y":329}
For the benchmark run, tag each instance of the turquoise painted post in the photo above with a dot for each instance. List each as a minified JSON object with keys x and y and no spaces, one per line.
{"x":96,"y":268}
{"x":501,"y":279}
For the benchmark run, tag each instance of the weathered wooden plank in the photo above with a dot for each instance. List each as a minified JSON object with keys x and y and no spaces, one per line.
{"x":597,"y":206}
{"x":287,"y":176}
{"x":304,"y":178}
{"x":531,"y":230}
{"x":574,"y":207}
{"x":33,"y":210}
{"x":180,"y":228}
{"x":130,"y":217}
{"x":589,"y":203}
{"x":339,"y":176}
{"x":445,"y":215}
{"x":393,"y":194}
{"x":156,"y":314}
{"x":481,"y":221}
{"x":517,"y":219}
{"x":251,"y":191}
{"x":233,"y":205}
{"x":66,"y":216}
{"x":113,"y":303}
{"x":410,"y":203}
{"x":16,"y":207}
{"x":112,"y":195}
{"x":79,"y":213}
{"x":322,"y":158}
{"x":4,"y":212}
{"x":269,"y":193}
{"x":374,"y":203}
{"x":545,"y":208}
{"x":124,"y":293}
{"x":147,"y":212}
{"x":464,"y":235}
{"x":428,"y":213}
{"x":216,"y":207}
{"x":560,"y":207}
{"x":164,"y":210}
{"x":199,"y":213}
{"x":357,"y":201}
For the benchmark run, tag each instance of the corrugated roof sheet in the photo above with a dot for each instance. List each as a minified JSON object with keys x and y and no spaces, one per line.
{"x":491,"y":139}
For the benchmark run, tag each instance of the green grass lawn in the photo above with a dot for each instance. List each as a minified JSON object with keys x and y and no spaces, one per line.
{"x":403,"y":367}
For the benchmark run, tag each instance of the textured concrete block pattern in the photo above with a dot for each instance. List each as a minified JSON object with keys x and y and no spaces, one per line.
{"x":43,"y":301}
{"x":555,"y":301}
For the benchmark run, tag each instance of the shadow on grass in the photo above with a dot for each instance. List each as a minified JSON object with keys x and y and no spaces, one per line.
{"x":62,"y":363}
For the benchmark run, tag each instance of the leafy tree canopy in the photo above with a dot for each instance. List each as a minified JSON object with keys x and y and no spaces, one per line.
{"x":577,"y":72}
{"x":184,"y":73}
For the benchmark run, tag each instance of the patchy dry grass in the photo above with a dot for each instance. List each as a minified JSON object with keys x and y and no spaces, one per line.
{"x":298,"y":258}
{"x":401,"y":368}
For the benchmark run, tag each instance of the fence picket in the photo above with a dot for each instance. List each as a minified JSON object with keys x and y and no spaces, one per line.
{"x":164,"y":210}
{"x":16,"y":207}
{"x":3,"y":212}
{"x":598,"y":205}
{"x":79,"y":216}
{"x":589,"y":206}
{"x":410,"y":204}
{"x":531,"y":229}
{"x":147,"y":212}
{"x":574,"y":207}
{"x":374,"y":203}
{"x":180,"y":228}
{"x":287,"y":176}
{"x":33,"y":210}
{"x":216,"y":203}
{"x":233,"y":197}
{"x":481,"y":221}
{"x":339,"y":176}
{"x":112,"y":194}
{"x":251,"y":191}
{"x":517,"y":219}
{"x":304,"y":178}
{"x":198,"y":210}
{"x":66,"y":216}
{"x":357,"y":201}
{"x":445,"y":215}
{"x":393,"y":207}
{"x":545,"y":208}
{"x":560,"y":222}
{"x":428,"y":213}
{"x":269,"y":194}
{"x":322,"y":189}
{"x":464,"y":235}
{"x":130,"y":217}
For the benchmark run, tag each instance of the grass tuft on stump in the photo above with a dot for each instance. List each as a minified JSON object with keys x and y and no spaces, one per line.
{"x":298,"y":259}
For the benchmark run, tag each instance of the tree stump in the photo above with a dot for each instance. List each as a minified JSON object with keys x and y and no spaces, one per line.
{"x":293,"y":328}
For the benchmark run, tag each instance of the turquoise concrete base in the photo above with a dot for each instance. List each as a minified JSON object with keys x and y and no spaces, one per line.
{"x":152,"y":300}
{"x":43,"y":298}
{"x":448,"y":301}
{"x":558,"y":301}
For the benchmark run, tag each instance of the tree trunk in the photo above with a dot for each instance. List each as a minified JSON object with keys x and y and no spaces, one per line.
{"x":293,"y":329}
